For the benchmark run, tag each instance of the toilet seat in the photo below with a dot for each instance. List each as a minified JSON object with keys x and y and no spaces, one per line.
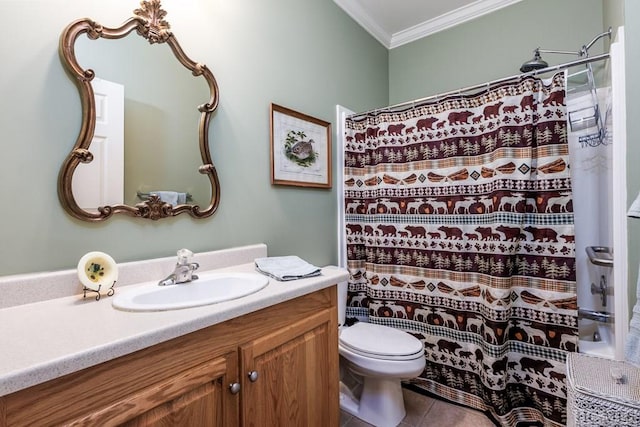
{"x":380,"y":342}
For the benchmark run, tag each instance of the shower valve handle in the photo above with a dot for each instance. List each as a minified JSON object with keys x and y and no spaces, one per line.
{"x":600,"y":289}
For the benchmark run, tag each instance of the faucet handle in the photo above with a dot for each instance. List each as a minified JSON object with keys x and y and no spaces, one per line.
{"x":184,"y":256}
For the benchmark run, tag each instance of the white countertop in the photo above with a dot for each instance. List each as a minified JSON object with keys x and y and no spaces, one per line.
{"x":48,"y":339}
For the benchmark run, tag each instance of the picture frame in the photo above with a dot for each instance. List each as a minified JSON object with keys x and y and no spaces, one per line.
{"x":300,"y":149}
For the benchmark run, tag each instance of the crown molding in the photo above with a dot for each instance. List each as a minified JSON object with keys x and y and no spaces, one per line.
{"x":448,"y":20}
{"x":362,"y":17}
{"x":424,"y":29}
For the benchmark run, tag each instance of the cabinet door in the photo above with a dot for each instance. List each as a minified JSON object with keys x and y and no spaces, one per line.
{"x":290,"y":376}
{"x":197,"y":397}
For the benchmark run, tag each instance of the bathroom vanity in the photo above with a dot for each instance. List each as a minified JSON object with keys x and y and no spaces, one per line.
{"x":267,"y":359}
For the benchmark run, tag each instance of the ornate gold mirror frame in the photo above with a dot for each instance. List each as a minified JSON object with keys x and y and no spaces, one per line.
{"x":149,"y":23}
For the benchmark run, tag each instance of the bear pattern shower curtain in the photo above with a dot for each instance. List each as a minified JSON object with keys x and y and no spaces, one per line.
{"x":459,"y":230}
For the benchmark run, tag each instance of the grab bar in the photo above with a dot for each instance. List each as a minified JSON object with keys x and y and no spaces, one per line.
{"x":598,"y":316}
{"x":600,"y":255}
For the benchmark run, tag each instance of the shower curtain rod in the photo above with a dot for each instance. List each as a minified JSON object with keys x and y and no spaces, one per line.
{"x":390,"y":108}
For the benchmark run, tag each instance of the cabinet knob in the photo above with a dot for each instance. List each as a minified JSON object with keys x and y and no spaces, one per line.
{"x":234,"y":388}
{"x":253,"y":376}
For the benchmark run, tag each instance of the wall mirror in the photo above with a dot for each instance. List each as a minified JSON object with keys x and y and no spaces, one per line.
{"x":143,"y":147}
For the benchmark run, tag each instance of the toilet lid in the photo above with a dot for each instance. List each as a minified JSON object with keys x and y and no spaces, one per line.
{"x":380,"y":341}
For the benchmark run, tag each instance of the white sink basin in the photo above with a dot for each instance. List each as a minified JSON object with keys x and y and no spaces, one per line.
{"x":209,"y":288}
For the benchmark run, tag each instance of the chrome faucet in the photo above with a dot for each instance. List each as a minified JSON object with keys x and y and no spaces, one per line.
{"x":183,"y":272}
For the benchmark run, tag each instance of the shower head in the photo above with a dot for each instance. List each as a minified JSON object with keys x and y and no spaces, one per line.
{"x":537,"y":63}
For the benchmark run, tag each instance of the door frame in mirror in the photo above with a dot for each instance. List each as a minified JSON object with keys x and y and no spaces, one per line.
{"x":149,"y":22}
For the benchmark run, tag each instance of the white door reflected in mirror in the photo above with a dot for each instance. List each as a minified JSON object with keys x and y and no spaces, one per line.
{"x":101,"y":182}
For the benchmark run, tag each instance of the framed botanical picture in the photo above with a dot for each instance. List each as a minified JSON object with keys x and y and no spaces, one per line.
{"x":300,"y":149}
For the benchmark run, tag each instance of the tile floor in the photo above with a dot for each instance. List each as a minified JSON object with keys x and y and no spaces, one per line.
{"x":424,"y":411}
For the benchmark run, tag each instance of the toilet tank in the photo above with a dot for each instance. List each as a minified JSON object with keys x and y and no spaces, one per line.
{"x":343,"y":287}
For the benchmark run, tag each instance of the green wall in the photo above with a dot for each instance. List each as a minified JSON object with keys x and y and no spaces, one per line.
{"x":492,"y":46}
{"x":308,"y":56}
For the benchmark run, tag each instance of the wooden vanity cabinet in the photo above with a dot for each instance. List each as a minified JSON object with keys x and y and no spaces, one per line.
{"x":287,"y":380}
{"x":281,"y":363}
{"x":196,"y":397}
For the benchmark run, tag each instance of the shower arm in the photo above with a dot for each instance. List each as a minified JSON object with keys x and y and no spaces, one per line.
{"x":585,"y":48}
{"x":563,"y":52}
{"x":582,"y":52}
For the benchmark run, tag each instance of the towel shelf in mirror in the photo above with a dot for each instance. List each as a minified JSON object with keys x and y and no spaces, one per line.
{"x":148,"y":22}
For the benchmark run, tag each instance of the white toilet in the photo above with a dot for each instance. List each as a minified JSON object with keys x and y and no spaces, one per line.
{"x":380,"y":357}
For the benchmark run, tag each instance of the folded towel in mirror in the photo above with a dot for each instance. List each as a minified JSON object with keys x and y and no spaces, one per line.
{"x":171,"y":197}
{"x":285,"y":268}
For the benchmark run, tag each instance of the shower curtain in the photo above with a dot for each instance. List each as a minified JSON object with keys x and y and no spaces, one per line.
{"x":459,"y":230}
